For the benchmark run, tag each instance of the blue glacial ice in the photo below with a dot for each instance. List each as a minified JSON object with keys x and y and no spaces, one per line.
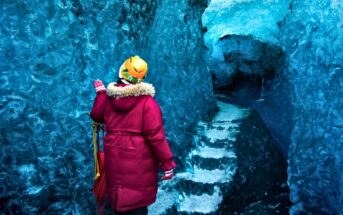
{"x":282,"y":58}
{"x":255,"y":18}
{"x":219,"y":169}
{"x":50,"y":54}
{"x":312,"y":38}
{"x":300,"y":101}
{"x":242,"y":37}
{"x":244,"y":53}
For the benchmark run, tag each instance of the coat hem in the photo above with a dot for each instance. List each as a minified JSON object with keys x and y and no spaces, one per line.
{"x":125,"y":209}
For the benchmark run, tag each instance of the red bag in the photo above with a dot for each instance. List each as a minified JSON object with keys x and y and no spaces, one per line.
{"x":99,"y":186}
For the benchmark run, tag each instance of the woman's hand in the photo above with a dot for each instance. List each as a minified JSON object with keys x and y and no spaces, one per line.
{"x":168,"y":174}
{"x":99,"y":86}
{"x":168,"y":168}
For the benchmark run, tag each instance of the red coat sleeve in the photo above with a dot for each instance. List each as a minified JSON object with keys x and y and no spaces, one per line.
{"x":153,"y":132}
{"x":97,"y":112}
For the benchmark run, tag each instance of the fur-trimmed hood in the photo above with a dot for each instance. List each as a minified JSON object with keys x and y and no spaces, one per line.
{"x":140,"y":89}
{"x":125,"y":97}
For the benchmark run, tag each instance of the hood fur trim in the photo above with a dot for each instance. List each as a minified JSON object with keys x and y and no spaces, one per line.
{"x":140,"y":89}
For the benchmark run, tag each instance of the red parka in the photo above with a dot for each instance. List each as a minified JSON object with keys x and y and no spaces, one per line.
{"x":135,"y":144}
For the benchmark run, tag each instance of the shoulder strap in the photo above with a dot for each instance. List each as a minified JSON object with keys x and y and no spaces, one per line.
{"x":95,"y":140}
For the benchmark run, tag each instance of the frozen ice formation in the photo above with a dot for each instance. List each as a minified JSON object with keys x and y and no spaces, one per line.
{"x":224,"y":175}
{"x":50,"y":53}
{"x":257,"y":18}
{"x":244,"y":17}
{"x":245,"y":56}
{"x":299,"y":85}
{"x":289,"y":51}
{"x":312,"y":38}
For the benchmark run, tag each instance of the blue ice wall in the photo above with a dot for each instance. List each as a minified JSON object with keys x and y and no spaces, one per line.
{"x":244,"y":51}
{"x":302,"y":103}
{"x":312,"y":37}
{"x":256,"y":18}
{"x":51,"y":51}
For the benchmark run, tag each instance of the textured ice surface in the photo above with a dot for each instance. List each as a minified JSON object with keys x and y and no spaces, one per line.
{"x":312,"y":37}
{"x":34,"y":190}
{"x":204,"y":203}
{"x":258,"y":18}
{"x":242,"y":37}
{"x":246,"y":58}
{"x":51,"y":52}
{"x":225,"y":175}
{"x":207,"y":167}
{"x":303,"y":105}
{"x":27,"y":170}
{"x":222,"y":128}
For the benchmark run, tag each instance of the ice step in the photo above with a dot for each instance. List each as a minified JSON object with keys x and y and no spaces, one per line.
{"x":229,"y":112}
{"x":210,"y":176}
{"x":203,"y":204}
{"x":210,"y":158}
{"x":210,"y":152}
{"x":211,"y":163}
{"x":219,"y":133}
{"x":195,"y":188}
{"x":226,"y":143}
{"x":220,"y":125}
{"x":165,"y":200}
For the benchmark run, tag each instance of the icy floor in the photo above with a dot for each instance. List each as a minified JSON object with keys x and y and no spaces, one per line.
{"x":201,"y":203}
{"x":214,"y":143}
{"x":229,"y":112}
{"x":165,"y":200}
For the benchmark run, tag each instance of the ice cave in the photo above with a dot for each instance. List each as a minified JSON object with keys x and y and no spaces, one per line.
{"x":250,"y":91}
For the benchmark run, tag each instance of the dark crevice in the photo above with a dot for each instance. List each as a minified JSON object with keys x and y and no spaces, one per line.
{"x":243,"y":89}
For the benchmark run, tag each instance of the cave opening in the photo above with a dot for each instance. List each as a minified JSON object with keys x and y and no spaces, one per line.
{"x":244,"y":68}
{"x":243,"y":89}
{"x":248,"y":75}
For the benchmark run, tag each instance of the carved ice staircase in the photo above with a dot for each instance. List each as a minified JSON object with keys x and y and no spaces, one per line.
{"x":210,"y":165}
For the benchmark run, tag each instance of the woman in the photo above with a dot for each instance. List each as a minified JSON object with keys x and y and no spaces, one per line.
{"x":135,"y":144}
